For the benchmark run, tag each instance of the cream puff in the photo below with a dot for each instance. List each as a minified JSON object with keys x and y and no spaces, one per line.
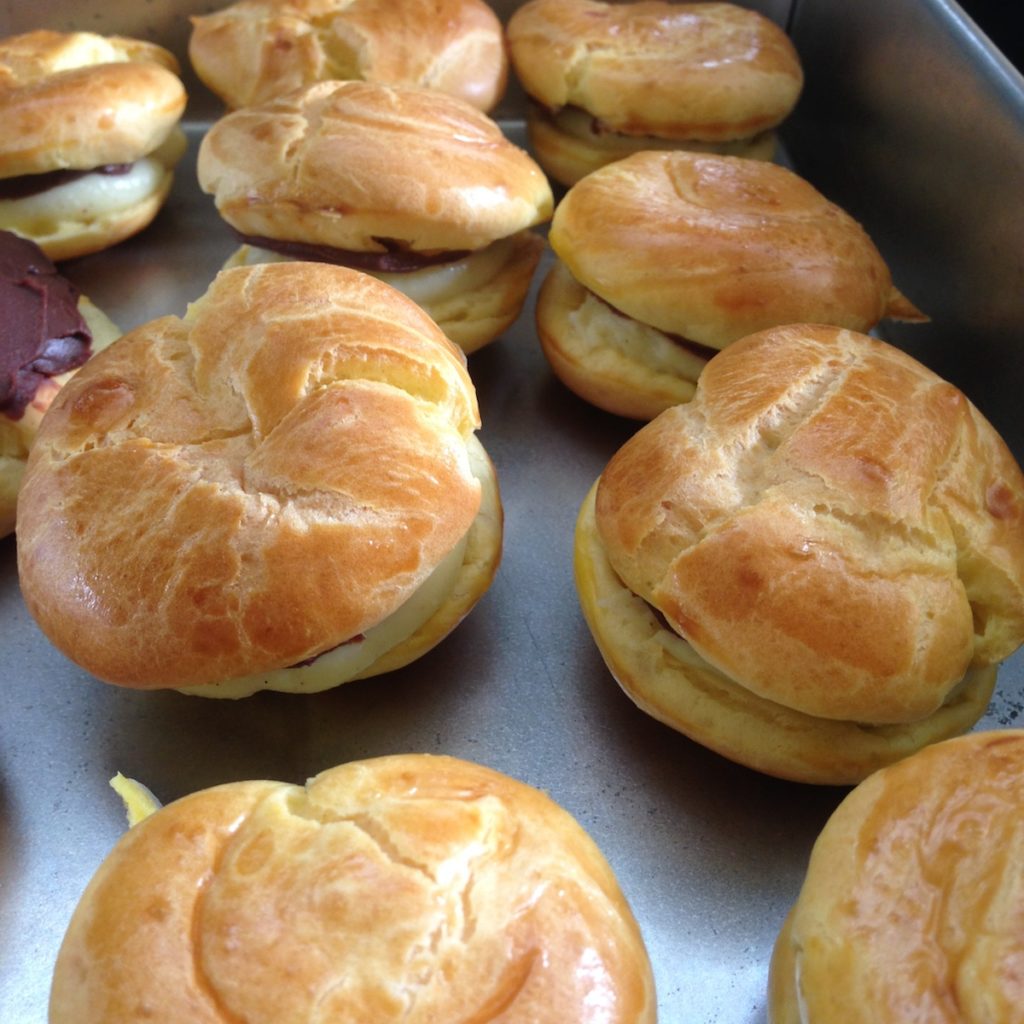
{"x":666,"y":258}
{"x":612,"y":79}
{"x":411,"y":887}
{"x":914,"y":894}
{"x":256,"y":50}
{"x":816,"y":566}
{"x":412,"y":186}
{"x":282,"y":490}
{"x":90,"y":138}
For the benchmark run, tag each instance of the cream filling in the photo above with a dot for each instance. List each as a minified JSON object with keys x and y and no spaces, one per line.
{"x":427,"y":286}
{"x":675,"y":645}
{"x":578,"y":124}
{"x":139,"y":802}
{"x":343,"y":663}
{"x":683,"y":652}
{"x":347,"y":661}
{"x":96,"y":195}
{"x":600,"y":329}
{"x":12,"y":470}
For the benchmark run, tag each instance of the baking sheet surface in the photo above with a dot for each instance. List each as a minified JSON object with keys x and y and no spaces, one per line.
{"x":709,"y":854}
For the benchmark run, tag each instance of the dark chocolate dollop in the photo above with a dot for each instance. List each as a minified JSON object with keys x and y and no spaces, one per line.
{"x":42,"y":333}
{"x":395,"y":260}
{"x":358,"y":638}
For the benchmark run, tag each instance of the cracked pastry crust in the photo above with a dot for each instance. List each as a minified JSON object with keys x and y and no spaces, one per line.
{"x":832,"y":529}
{"x":361,"y":166}
{"x":248,"y":487}
{"x":80,"y":101}
{"x":412,"y":887}
{"x":664,"y":676}
{"x":719,"y":247}
{"x":914,"y":894}
{"x":257,"y":50}
{"x":712,"y":74}
{"x":704,"y":249}
{"x":374,"y":169}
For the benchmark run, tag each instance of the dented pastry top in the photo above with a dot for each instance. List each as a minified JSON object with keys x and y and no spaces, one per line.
{"x":414,"y":887}
{"x":363,"y":166}
{"x":702,"y":71}
{"x":274,"y":473}
{"x":255,"y":50}
{"x":828,"y":522}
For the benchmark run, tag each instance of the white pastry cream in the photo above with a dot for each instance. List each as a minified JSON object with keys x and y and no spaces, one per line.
{"x":342,"y":663}
{"x":426,"y":286}
{"x":603,"y":333}
{"x":95,"y":195}
{"x":139,"y":802}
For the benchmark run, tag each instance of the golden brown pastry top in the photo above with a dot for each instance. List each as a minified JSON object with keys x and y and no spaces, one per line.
{"x":712,"y":248}
{"x":252,"y":485}
{"x":410,"y":887}
{"x":256,"y":50}
{"x":709,"y":71}
{"x":827,"y":522}
{"x":77,"y":100}
{"x":914,"y":896}
{"x":347,"y":164}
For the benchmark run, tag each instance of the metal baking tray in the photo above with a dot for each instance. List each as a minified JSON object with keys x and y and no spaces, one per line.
{"x":912,"y":121}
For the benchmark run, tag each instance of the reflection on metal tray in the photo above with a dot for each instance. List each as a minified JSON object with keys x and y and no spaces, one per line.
{"x":925,"y":144}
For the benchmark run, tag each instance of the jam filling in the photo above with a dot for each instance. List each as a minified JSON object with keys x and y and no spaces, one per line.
{"x":394,"y":260}
{"x":42,"y":333}
{"x":32,"y":184}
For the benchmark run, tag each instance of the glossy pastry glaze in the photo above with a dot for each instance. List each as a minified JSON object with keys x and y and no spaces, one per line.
{"x":913,"y":905}
{"x":407,"y":888}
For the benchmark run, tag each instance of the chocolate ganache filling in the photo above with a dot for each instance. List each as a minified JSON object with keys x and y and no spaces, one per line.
{"x":32,"y":184}
{"x":394,"y":260}
{"x":306,"y":662}
{"x":42,"y":333}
